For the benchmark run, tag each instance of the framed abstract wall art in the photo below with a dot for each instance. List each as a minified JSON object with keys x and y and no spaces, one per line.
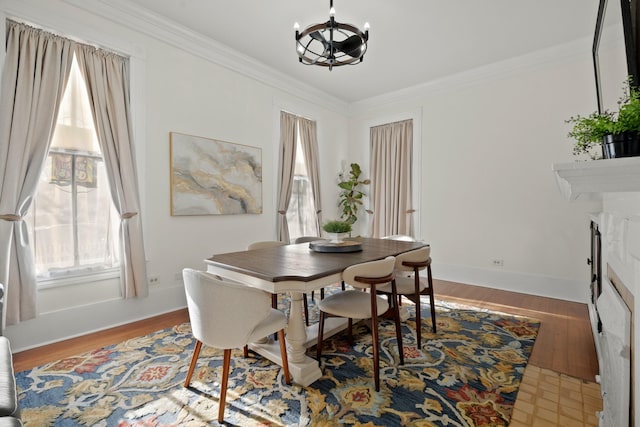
{"x":212,"y":177}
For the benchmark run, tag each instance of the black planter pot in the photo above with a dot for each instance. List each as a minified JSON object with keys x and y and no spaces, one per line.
{"x":625,"y":144}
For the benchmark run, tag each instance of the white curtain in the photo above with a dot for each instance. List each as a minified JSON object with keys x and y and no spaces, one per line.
{"x":107,"y":77}
{"x":309,"y":143}
{"x":391,"y":186}
{"x":287,"y":166}
{"x":36,"y":70}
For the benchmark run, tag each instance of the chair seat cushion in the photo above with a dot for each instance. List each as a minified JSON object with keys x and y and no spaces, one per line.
{"x":275,"y":321}
{"x":10,"y":422}
{"x":8,"y":396}
{"x":404,"y":285}
{"x":352,"y":304}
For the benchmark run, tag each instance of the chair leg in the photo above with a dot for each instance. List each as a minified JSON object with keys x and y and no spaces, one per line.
{"x":223,"y":384}
{"x":396,"y":316}
{"x":245,"y":351}
{"x":432,"y":301}
{"x":321,"y":293}
{"x":285,"y":359}
{"x":350,"y":331}
{"x":194,"y":360}
{"x":418,"y":309}
{"x":374,"y":334}
{"x":274,"y":304}
{"x":306,"y":309}
{"x":320,"y":332}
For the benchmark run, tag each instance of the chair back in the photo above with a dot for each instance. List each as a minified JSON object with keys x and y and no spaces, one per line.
{"x":305,"y":239}
{"x":400,"y":237}
{"x":223,"y":313}
{"x":265,"y":244}
{"x":380,"y":268}
{"x":417,"y":255}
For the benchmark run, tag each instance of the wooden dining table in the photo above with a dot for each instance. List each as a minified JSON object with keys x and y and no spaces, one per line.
{"x":297,"y":269}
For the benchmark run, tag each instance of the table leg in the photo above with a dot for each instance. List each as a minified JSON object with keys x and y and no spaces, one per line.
{"x":303,"y":368}
{"x":296,"y":330}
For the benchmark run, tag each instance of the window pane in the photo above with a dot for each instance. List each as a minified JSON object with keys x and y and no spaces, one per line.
{"x":53,"y":240}
{"x":96,"y":236}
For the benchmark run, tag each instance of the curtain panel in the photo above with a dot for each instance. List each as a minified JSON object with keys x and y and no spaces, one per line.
{"x":107,"y":77}
{"x":391,"y":186}
{"x":287,"y":166}
{"x":36,"y":69}
{"x":309,"y":143}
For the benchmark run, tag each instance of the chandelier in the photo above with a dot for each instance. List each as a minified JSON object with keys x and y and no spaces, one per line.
{"x":331,"y":43}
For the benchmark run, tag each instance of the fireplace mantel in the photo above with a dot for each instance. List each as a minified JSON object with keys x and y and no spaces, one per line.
{"x":592,"y":178}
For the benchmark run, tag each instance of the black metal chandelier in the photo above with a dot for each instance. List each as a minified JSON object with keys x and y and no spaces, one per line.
{"x":331,"y":44}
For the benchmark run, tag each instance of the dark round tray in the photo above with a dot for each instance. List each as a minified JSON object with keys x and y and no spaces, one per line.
{"x":328,"y":246}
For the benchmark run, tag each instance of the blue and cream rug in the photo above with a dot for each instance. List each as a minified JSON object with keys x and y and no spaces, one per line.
{"x":465,"y":375}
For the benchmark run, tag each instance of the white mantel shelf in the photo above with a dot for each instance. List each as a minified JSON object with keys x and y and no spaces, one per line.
{"x":598,"y":176}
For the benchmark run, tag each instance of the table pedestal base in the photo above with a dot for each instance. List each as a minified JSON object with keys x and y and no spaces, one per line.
{"x":305,"y":370}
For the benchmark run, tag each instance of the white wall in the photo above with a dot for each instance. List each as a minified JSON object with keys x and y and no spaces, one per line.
{"x":489,"y":138}
{"x":186,"y":93}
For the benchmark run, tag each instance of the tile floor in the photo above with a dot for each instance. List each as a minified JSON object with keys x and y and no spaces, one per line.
{"x":547,"y":398}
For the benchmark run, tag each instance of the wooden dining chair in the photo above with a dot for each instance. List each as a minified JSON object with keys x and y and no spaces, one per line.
{"x":412,"y":286}
{"x":217,"y":322}
{"x":356,"y":304}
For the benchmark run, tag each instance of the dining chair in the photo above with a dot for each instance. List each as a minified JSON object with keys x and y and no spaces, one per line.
{"x":412,"y":286}
{"x":400,"y":237}
{"x":356,"y":304}
{"x":217,"y":322}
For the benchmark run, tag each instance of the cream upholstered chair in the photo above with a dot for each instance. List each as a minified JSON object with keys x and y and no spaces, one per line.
{"x":228,"y":315}
{"x":412,"y":285}
{"x":356,"y":304}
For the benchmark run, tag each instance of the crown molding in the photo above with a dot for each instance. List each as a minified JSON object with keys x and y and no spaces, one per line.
{"x":496,"y":70}
{"x":144,"y":21}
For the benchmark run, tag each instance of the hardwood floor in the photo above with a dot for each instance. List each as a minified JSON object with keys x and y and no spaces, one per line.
{"x":564,"y":343}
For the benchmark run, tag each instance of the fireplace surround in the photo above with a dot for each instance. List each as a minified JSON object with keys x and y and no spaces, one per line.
{"x":615,"y":276}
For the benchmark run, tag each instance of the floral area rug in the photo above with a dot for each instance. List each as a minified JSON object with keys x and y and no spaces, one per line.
{"x":465,"y":375}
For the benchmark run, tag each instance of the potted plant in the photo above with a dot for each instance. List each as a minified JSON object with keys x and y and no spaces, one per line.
{"x":351,"y":195}
{"x":617,"y":133}
{"x":337,"y":228}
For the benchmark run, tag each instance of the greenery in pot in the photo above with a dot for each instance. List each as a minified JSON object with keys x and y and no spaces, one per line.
{"x":351,"y":195}
{"x":337,"y":227}
{"x":590,"y":131}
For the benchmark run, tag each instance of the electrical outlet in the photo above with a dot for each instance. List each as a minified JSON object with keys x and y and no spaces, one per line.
{"x":153,"y":280}
{"x":498,"y":262}
{"x":178,"y":277}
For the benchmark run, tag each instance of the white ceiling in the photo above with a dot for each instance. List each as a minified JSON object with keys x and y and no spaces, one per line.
{"x":410,"y":41}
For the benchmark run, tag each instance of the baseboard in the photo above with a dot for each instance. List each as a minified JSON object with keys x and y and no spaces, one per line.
{"x":539,"y":285}
{"x":87,"y":319}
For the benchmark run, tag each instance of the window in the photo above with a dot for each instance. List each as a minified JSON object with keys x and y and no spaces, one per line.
{"x":301,"y":213}
{"x":72,"y":223}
